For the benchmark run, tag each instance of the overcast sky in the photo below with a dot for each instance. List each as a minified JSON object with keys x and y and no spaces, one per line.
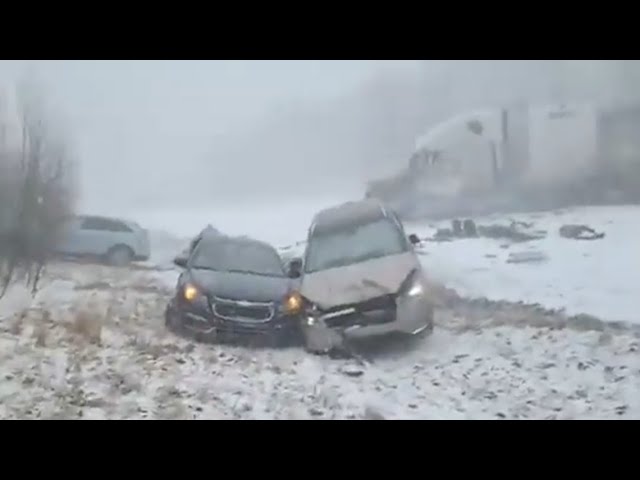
{"x":127,"y":117}
{"x":143,"y":131}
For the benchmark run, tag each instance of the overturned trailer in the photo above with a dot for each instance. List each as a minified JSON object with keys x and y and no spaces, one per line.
{"x":522,"y":158}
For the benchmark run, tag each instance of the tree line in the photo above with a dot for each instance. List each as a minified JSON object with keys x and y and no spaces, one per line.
{"x":37,"y":185}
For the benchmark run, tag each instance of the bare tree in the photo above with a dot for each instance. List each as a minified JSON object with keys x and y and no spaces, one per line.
{"x":36,"y":193}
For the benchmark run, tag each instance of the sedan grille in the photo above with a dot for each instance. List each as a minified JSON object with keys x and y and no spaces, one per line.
{"x":242,"y":311}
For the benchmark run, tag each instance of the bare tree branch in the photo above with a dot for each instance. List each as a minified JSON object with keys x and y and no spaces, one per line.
{"x":36,"y":194}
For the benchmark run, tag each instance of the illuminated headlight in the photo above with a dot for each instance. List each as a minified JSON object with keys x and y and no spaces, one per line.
{"x":311,"y":320}
{"x":415,"y":290}
{"x":190,"y":292}
{"x":292,"y":303}
{"x":193,"y":295}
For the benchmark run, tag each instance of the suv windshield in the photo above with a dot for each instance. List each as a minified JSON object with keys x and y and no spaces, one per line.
{"x":358,"y":243}
{"x":242,"y":257}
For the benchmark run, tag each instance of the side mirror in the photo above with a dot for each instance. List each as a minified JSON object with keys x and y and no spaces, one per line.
{"x":413,"y":238}
{"x":295,"y":268}
{"x":180,"y":261}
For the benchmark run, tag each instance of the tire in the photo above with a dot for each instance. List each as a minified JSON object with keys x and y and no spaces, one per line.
{"x":120,"y":256}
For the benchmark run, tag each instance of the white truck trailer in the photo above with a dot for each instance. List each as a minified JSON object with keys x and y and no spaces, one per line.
{"x":490,"y":159}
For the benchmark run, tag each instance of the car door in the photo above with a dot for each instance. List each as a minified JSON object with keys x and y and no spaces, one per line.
{"x":94,"y":237}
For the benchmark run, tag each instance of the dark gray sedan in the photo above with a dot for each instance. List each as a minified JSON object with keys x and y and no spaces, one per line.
{"x":232,"y":289}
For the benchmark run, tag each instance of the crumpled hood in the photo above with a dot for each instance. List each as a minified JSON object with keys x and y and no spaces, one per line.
{"x":358,"y":282}
{"x":241,"y":286}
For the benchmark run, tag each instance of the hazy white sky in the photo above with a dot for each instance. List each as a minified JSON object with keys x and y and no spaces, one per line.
{"x":128,"y":117}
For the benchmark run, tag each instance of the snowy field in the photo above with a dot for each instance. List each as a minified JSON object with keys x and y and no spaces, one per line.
{"x":598,"y":278}
{"x":92,"y":343}
{"x":93,"y":346}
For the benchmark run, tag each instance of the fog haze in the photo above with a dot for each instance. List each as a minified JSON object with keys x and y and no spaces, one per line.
{"x":168,"y":133}
{"x":148,"y":131}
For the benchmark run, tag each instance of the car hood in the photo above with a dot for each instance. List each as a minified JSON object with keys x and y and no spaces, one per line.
{"x":358,"y":282}
{"x":241,"y":286}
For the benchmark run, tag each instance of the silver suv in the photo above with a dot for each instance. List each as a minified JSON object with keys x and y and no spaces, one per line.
{"x":117,"y":241}
{"x":361,"y":277}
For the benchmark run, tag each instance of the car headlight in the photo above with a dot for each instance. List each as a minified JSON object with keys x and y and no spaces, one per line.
{"x":416,"y":289}
{"x":292,"y":303}
{"x":190,"y":292}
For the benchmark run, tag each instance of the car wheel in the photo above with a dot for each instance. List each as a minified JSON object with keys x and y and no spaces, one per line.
{"x":120,"y":256}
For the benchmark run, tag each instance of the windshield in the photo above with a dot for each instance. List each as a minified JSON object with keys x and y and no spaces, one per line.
{"x":242,"y":257}
{"x":358,"y":243}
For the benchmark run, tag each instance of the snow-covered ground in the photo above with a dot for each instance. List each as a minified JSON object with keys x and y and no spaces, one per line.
{"x":93,"y":345}
{"x":599,"y":277}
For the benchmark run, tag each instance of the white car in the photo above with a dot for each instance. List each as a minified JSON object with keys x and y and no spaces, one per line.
{"x":119,"y":242}
{"x":361,"y":277}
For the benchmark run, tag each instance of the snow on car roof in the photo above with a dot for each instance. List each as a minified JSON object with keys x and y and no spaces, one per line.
{"x":239,"y":240}
{"x":349,"y":212}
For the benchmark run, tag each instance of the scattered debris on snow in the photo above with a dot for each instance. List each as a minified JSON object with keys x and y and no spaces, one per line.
{"x":531,"y":256}
{"x":96,"y":353}
{"x":580,"y":232}
{"x":591,"y":277}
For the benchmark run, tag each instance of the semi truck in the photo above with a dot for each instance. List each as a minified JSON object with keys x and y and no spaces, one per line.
{"x":518,"y":158}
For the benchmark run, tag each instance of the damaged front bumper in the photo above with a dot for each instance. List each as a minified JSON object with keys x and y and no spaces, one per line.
{"x":390,"y":314}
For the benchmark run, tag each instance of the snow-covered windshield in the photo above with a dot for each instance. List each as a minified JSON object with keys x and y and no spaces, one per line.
{"x":232,"y":256}
{"x":349,"y":245}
